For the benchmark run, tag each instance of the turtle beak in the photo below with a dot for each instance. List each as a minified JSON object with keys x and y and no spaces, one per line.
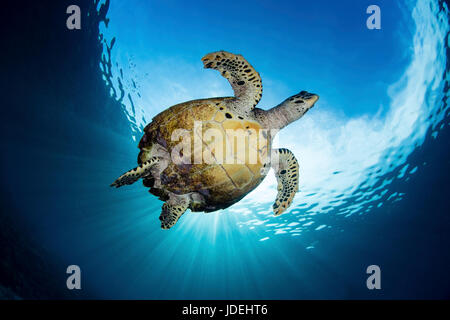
{"x":313,"y":99}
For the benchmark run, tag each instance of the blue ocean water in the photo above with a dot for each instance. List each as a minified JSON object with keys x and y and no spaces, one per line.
{"x":374,"y":151}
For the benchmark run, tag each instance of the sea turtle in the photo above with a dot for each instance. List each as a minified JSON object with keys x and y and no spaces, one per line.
{"x":181,"y":176}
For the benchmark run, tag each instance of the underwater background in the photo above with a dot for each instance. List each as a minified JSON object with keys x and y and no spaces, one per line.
{"x":374,"y":152}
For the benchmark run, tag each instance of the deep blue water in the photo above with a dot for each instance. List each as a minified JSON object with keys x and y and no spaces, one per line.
{"x":374,"y":154}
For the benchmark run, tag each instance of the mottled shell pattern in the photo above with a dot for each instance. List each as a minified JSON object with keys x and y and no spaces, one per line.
{"x":221,"y":183}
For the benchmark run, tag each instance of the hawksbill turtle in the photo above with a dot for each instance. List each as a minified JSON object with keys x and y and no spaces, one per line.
{"x":216,"y":184}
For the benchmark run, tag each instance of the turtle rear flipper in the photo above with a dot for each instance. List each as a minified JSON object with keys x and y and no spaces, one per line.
{"x":172,"y":210}
{"x":141,"y":171}
{"x":286,"y":171}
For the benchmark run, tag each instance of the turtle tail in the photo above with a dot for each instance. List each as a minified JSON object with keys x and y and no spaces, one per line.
{"x":141,"y":171}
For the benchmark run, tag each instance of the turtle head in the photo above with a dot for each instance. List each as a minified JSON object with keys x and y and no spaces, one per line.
{"x":305,"y":98}
{"x":290,"y":110}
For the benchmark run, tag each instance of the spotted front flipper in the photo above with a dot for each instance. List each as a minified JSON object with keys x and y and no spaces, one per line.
{"x":172,"y":210}
{"x":245,"y":80}
{"x":287,"y":176}
{"x":130,"y":177}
